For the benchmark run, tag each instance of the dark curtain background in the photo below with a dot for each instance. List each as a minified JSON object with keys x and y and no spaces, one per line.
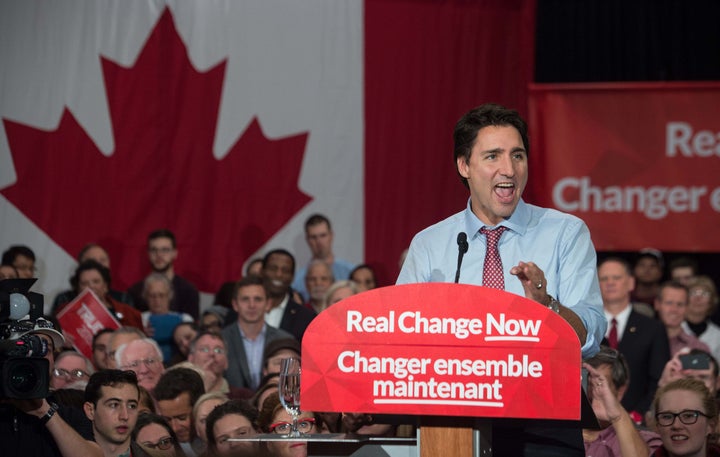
{"x":630,"y":40}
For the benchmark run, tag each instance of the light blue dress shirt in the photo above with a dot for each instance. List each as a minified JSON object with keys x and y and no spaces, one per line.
{"x":558,"y":243}
{"x":254,"y":352}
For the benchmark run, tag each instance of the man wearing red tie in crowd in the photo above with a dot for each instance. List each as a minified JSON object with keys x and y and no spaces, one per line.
{"x":641,"y":339}
{"x":538,"y":253}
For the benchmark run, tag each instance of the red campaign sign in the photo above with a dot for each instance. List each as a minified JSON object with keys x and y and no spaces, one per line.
{"x":637,"y":162}
{"x":82,"y":318}
{"x":441,"y":349}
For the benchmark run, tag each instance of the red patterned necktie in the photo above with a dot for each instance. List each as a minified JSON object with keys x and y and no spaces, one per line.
{"x":613,"y":336}
{"x":493,"y":275}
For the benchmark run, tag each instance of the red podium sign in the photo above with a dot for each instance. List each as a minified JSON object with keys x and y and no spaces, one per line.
{"x":441,"y":349}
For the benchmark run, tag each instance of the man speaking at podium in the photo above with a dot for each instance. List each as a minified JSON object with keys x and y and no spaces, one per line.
{"x":500,"y":241}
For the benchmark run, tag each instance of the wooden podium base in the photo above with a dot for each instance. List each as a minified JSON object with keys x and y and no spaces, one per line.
{"x":456,"y":438}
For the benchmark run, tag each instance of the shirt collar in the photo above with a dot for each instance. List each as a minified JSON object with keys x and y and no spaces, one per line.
{"x":518,"y":221}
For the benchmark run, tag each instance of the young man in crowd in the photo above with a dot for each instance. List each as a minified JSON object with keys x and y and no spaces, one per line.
{"x":162,"y":253}
{"x":176,"y":394}
{"x":247,"y":338}
{"x":111,"y":404}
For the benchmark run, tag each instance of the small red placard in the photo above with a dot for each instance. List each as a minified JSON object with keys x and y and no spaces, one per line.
{"x":442,"y":349}
{"x":82,"y":318}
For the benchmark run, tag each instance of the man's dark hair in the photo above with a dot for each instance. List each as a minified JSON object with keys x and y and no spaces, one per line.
{"x":239,"y":407}
{"x":176,"y":381}
{"x":146,"y":419}
{"x":215,"y":334}
{"x":108,"y":378}
{"x":673,"y":284}
{"x":316,"y":219}
{"x":620,"y":372}
{"x":8,"y":257}
{"x":87,"y":265}
{"x":489,"y":114}
{"x":362,"y":266}
{"x":620,"y":260}
{"x":682,"y":262}
{"x":251,"y":263}
{"x":162,"y":233}
{"x":99,"y":334}
{"x":284,"y":252}
{"x":249,"y":281}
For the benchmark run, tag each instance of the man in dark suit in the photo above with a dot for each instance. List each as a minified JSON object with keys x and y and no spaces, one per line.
{"x":284,"y":312}
{"x":247,"y":339}
{"x":641,"y":339}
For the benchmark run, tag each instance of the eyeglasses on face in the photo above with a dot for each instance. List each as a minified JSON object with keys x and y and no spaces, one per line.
{"x":687,"y":417}
{"x":149,"y":363}
{"x":164,"y":444}
{"x":207,"y":350}
{"x":303,"y":425}
{"x":699,"y":293}
{"x":68,"y":374}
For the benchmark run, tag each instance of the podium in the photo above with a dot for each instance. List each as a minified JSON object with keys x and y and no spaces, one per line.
{"x":456,"y":356}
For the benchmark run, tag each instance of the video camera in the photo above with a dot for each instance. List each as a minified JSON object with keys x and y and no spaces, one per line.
{"x":24,"y":370}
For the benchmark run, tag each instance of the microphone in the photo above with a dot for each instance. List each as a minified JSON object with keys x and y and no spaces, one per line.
{"x":462,"y":249}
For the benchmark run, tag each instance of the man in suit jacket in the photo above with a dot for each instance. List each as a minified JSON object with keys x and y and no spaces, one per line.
{"x":247,"y":339}
{"x":284,"y":312}
{"x":641,"y":339}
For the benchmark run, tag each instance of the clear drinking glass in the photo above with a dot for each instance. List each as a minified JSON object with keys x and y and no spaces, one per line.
{"x":289,"y":391}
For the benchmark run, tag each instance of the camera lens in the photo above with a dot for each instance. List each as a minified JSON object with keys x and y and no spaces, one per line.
{"x":23,"y":377}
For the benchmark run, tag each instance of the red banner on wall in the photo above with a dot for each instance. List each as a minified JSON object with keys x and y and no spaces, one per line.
{"x":441,"y":349}
{"x":637,"y":162}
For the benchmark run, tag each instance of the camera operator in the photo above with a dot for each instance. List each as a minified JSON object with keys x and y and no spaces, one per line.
{"x":38,"y":426}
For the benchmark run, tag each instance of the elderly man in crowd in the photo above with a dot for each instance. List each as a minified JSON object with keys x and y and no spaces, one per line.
{"x":144,"y":357}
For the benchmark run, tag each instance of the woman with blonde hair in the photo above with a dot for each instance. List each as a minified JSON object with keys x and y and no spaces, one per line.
{"x":686,"y":416}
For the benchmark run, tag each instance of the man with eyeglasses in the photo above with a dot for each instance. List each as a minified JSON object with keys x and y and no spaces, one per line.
{"x":111,"y":403}
{"x":176,"y":393}
{"x":162,"y":252}
{"x":72,"y":371}
{"x":208,"y":352}
{"x":144,"y":357}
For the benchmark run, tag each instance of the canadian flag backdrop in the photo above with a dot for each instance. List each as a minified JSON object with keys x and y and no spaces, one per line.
{"x":231,"y":122}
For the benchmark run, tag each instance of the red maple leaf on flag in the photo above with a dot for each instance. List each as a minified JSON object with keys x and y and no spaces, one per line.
{"x":162,"y":173}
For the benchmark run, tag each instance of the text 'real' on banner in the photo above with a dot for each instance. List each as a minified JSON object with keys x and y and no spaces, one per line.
{"x":638,"y":162}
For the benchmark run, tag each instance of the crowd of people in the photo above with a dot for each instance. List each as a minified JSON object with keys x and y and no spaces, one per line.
{"x":175,"y":380}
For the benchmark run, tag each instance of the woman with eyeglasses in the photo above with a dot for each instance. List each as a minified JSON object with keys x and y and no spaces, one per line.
{"x":702,"y":303}
{"x":274,"y":419}
{"x":686,"y":415}
{"x":153,"y":436}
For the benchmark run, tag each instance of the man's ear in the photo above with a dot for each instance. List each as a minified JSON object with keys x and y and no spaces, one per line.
{"x":462,"y":166}
{"x":89,"y":409}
